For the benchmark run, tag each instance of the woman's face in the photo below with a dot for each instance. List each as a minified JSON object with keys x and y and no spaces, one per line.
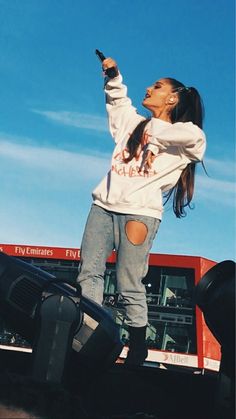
{"x":159,"y":96}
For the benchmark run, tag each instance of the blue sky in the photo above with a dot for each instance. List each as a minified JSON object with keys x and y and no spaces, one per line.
{"x":54,"y":142}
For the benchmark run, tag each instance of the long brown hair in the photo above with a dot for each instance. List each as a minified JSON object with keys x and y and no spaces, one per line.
{"x":188,"y":109}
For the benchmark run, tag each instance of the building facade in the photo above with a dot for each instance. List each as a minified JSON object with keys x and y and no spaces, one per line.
{"x":176,"y":334}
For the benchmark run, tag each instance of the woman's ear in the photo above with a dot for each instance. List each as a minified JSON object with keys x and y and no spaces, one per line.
{"x":172,"y":99}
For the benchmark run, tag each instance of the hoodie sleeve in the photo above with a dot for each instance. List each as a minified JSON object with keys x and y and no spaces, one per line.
{"x":122,"y":115}
{"x":186,"y":135}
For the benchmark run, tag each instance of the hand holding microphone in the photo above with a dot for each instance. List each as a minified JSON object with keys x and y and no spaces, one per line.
{"x":108,"y":65}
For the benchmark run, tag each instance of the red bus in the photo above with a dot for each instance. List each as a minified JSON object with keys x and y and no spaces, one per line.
{"x":177,"y":334}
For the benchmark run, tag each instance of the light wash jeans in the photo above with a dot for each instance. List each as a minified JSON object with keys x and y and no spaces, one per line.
{"x":104,"y":232}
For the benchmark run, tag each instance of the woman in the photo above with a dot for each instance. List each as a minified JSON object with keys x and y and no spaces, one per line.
{"x":151,"y":157}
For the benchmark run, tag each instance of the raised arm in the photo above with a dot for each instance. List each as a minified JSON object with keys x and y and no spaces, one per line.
{"x":121,"y":112}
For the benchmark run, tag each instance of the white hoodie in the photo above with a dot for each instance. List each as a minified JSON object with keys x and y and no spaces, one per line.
{"x":127,"y":190}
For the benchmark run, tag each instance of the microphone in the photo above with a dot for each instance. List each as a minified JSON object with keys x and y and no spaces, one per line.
{"x":110,"y":72}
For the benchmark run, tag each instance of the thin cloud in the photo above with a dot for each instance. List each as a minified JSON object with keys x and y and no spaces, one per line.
{"x":216,"y":184}
{"x":76,"y":119}
{"x":88,"y":166}
{"x":55,"y":160}
{"x":220,"y":167}
{"x":218,"y":191}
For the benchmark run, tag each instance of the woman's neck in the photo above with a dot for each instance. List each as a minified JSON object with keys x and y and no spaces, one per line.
{"x":161,"y":114}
